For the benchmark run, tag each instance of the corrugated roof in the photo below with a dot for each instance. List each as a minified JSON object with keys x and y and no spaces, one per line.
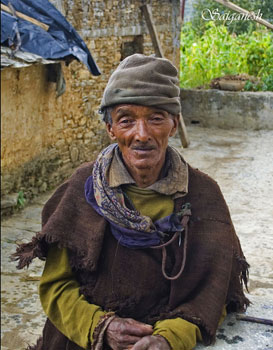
{"x":21,"y":59}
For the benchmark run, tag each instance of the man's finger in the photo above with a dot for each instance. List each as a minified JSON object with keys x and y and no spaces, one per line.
{"x":142,"y":344}
{"x":128,"y":340}
{"x":152,"y":343}
{"x":137,"y":328}
{"x":124,"y":332}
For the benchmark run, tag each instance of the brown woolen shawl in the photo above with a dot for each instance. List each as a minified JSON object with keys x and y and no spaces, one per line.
{"x":129,"y":281}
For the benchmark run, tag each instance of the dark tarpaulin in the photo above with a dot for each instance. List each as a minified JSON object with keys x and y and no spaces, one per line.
{"x":61,"y":41}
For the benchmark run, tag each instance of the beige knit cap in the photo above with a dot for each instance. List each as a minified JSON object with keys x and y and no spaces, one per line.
{"x":144,"y":80}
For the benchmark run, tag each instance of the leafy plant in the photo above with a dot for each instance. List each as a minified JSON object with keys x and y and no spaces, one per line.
{"x":217,"y":52}
{"x":268,"y":83}
{"x":21,"y":200}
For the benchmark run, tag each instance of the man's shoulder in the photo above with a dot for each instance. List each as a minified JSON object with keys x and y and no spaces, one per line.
{"x":83,"y":170}
{"x":80,"y":175}
{"x":206,"y":196}
{"x":203,"y":186}
{"x":71,"y":190}
{"x":196,"y":175}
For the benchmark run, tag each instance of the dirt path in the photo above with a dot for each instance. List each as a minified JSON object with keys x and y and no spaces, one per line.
{"x":241,"y":162}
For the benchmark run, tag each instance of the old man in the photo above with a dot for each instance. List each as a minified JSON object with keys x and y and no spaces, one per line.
{"x":140,"y":249}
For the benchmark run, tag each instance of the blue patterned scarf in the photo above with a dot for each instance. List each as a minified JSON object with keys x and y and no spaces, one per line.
{"x":129,"y":227}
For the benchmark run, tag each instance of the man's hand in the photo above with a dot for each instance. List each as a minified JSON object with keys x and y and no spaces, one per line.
{"x":123,"y":333}
{"x":152,"y":342}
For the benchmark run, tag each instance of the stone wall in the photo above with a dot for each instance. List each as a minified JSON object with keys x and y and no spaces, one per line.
{"x":44,"y":137}
{"x":227,"y":109}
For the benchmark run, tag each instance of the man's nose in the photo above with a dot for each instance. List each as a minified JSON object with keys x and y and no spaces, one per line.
{"x":142,"y":131}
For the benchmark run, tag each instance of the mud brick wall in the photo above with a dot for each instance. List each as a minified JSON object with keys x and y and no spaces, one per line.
{"x":44,"y":137}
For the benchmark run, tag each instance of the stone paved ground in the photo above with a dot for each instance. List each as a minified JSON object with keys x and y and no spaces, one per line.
{"x":240,"y":161}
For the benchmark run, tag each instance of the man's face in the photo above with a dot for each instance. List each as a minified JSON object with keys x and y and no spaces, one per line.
{"x":142,"y":134}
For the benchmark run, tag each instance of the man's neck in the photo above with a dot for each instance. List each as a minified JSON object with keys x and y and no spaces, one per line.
{"x":145,"y":177}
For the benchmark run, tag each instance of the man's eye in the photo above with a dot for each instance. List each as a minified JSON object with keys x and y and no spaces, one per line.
{"x":124,"y":121}
{"x":157,"y":118}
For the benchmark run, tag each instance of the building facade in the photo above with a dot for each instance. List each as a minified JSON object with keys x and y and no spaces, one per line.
{"x":44,"y":137}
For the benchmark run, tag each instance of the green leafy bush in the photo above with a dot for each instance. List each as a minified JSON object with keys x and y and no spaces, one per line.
{"x":217,"y":52}
{"x":21,"y":200}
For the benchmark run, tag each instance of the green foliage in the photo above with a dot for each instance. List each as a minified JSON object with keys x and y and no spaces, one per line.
{"x":217,"y":53}
{"x":236,"y":26}
{"x":268,"y":83}
{"x":21,"y":200}
{"x":259,"y":47}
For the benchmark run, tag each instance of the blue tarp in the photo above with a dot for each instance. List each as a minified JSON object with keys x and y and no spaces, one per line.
{"x":61,"y":41}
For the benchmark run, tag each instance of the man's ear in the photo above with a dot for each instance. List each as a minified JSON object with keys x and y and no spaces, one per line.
{"x":175,"y":122}
{"x":110,"y":131}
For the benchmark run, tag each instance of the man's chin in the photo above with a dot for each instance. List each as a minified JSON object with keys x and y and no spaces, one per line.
{"x":143,"y":164}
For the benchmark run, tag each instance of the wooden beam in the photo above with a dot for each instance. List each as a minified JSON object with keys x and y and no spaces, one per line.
{"x":146,"y":11}
{"x":242,"y":317}
{"x":183,"y":10}
{"x":239,"y":9}
{"x":183,"y":132}
{"x":25,"y":17}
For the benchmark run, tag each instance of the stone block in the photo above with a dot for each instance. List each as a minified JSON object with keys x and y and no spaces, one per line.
{"x":58,"y":123}
{"x":39,"y":182}
{"x":6,"y":186}
{"x":9,"y":201}
{"x":43,"y":170}
{"x":228,"y":110}
{"x":66,"y":161}
{"x":65,"y":171}
{"x":60,"y":143}
{"x":68,"y":133}
{"x":43,"y":187}
{"x":31,"y":181}
{"x":74,"y":154}
{"x":83,"y":121}
{"x":83,"y":74}
{"x":89,"y":135}
{"x":91,"y":45}
{"x":66,"y":155}
{"x":69,"y":140}
{"x":52,"y":153}
{"x":34,"y":190}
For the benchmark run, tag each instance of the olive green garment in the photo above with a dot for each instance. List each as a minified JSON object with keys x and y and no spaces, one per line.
{"x":74,"y":316}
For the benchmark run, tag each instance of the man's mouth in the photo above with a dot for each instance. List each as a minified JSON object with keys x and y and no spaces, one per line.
{"x":142,"y":152}
{"x":143,"y":148}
